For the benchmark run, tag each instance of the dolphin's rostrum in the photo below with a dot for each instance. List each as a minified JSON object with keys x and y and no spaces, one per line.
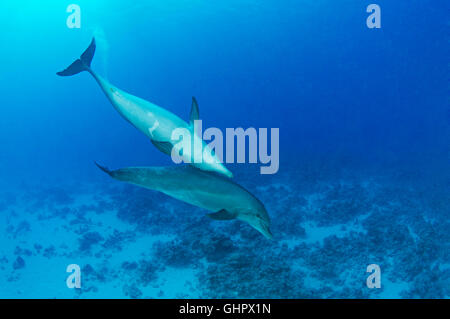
{"x":154,"y":121}
{"x":226,"y":199}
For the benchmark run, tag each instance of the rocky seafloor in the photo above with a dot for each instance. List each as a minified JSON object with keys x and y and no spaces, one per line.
{"x":134,"y":243}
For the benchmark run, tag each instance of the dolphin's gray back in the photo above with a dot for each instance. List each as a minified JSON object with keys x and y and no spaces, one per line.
{"x":207,"y":190}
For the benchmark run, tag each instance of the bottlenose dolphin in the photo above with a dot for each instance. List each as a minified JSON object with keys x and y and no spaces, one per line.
{"x":226,"y":199}
{"x":152,"y":120}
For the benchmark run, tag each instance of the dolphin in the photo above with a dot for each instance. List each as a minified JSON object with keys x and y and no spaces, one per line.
{"x":155,"y":122}
{"x":213,"y":192}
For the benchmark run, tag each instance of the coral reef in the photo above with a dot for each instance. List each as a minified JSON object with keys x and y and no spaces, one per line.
{"x":19,"y":263}
{"x":88,"y":240}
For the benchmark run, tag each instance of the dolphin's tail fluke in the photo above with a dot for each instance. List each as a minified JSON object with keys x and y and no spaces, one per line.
{"x":81,"y":64}
{"x":103,"y":168}
{"x":122,"y":174}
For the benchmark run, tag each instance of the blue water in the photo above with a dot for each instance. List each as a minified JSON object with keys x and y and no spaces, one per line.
{"x":364,"y":169}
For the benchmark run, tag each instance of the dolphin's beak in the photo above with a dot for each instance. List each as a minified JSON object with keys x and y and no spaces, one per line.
{"x":265,"y":230}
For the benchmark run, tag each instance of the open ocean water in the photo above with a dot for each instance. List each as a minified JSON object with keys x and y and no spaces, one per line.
{"x":364,"y":148}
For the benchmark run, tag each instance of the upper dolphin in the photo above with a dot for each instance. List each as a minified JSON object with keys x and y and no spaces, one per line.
{"x":226,"y":199}
{"x":154,"y":121}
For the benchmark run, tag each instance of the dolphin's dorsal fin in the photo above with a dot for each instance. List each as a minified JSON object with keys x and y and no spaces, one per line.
{"x":195,"y":115}
{"x":165,"y":147}
{"x":222,"y":215}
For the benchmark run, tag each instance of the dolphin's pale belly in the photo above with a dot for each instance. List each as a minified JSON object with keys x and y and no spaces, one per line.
{"x":152,"y":120}
{"x":207,"y":200}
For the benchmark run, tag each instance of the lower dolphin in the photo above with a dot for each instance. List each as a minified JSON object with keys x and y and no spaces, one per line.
{"x":226,"y":199}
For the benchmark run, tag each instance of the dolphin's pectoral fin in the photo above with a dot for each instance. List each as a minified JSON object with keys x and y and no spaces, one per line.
{"x":165,"y":147}
{"x":195,"y":114}
{"x":222,"y":215}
